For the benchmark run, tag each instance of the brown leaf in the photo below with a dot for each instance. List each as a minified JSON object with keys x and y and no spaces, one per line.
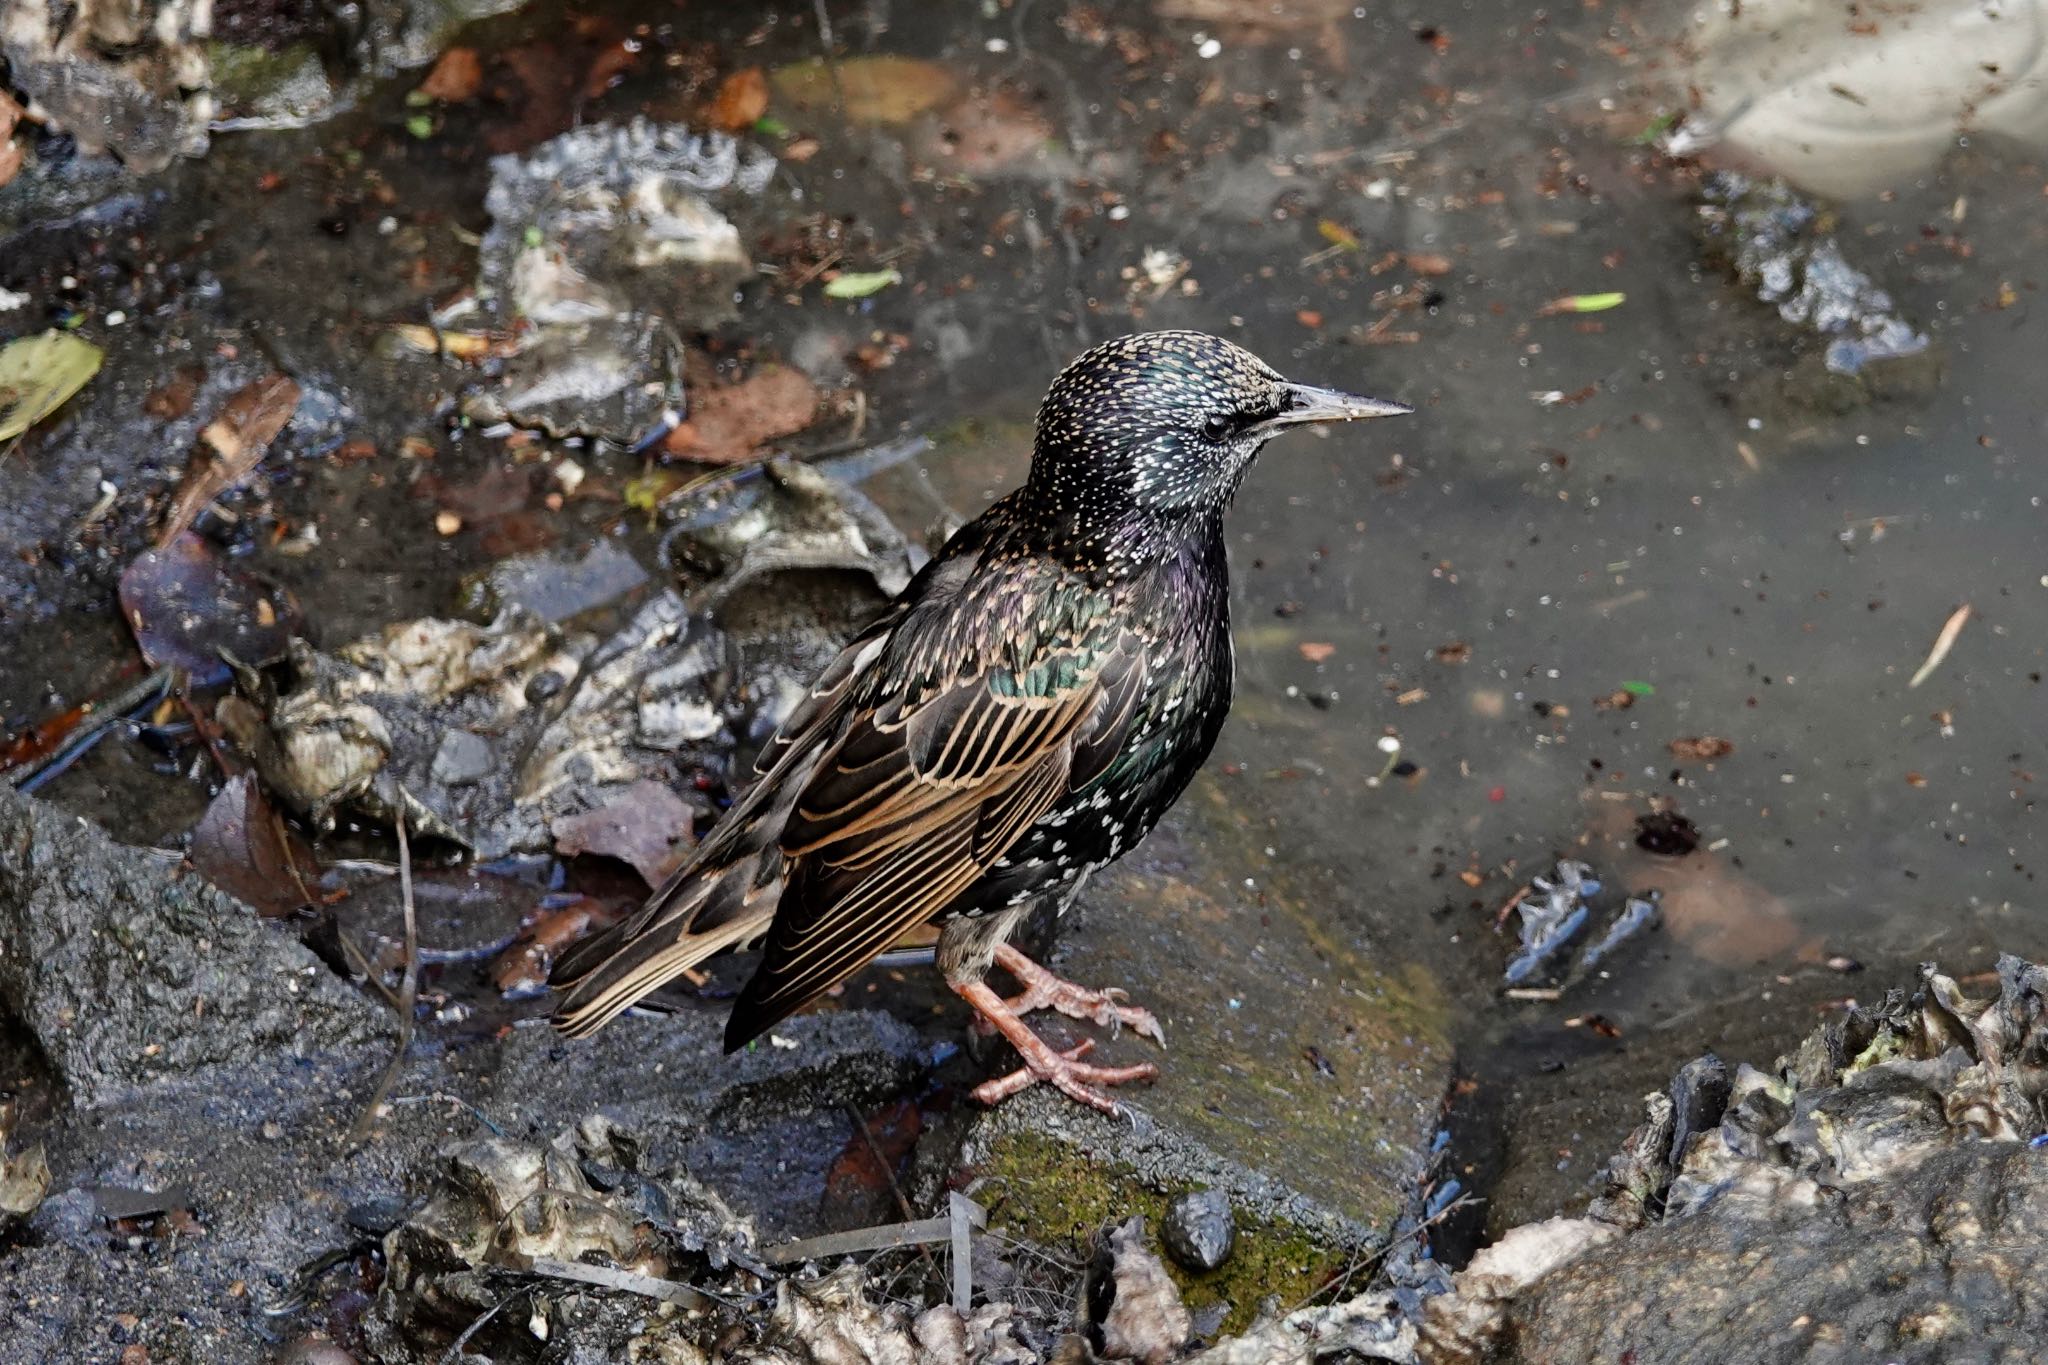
{"x":187,"y":607}
{"x":880,"y":89}
{"x":455,"y":78}
{"x":1429,"y":263}
{"x":1309,"y":318}
{"x":238,"y":437}
{"x":1315,"y":651}
{"x":741,"y":100}
{"x":1456,"y":652}
{"x":242,"y":847}
{"x":522,"y":969}
{"x":646,"y":825}
{"x":1620,"y":699}
{"x":1702,"y":748}
{"x":728,"y":425}
{"x":174,"y":397}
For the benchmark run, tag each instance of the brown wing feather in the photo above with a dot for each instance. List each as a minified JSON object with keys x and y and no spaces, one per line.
{"x":909,"y":810}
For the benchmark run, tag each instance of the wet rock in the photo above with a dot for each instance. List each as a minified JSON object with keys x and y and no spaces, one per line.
{"x":1782,"y":246}
{"x":24,"y":1175}
{"x":1875,"y":1195}
{"x":126,"y":78}
{"x":514,"y":736}
{"x":1199,"y":1229}
{"x":507,"y":1206}
{"x":1303,"y":1081}
{"x":127,"y":971}
{"x":604,"y":242}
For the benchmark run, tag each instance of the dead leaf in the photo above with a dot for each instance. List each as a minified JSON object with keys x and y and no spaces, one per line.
{"x":1620,"y":699}
{"x":238,"y":436}
{"x":741,"y":100}
{"x":1143,"y":1319}
{"x":1456,"y":652}
{"x":728,"y":425}
{"x":245,"y":849}
{"x":174,"y":398}
{"x":880,"y":89}
{"x":987,"y":135}
{"x":1315,"y":651}
{"x":1429,"y":263}
{"x":38,"y":374}
{"x":523,"y":968}
{"x":455,"y":77}
{"x":187,"y":606}
{"x":1702,"y":748}
{"x":646,"y":825}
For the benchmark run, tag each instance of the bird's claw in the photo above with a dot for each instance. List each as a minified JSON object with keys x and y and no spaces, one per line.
{"x":1067,"y":1073}
{"x":1106,"y":1008}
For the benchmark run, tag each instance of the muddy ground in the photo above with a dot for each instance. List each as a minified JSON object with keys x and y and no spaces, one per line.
{"x":1616,"y":524}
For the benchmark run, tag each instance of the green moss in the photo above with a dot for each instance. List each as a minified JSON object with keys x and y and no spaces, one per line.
{"x":1052,"y":1194}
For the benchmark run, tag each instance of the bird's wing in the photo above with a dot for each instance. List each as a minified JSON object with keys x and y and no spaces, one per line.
{"x":723,"y":896}
{"x":923,"y":792}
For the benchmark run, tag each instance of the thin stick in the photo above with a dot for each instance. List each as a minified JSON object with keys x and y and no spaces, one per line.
{"x":1943,"y":643}
{"x":408,"y":993}
{"x":454,"y":1351}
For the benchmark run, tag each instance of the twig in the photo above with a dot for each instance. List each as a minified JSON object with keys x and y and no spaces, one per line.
{"x":455,"y":1347}
{"x":408,"y":992}
{"x":889,"y":1173}
{"x":1943,"y":643}
{"x":628,"y":1281}
{"x":886,"y":1238}
{"x":94,"y":728}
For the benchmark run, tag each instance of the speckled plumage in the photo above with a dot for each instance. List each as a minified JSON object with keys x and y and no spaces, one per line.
{"x":1021,"y":715}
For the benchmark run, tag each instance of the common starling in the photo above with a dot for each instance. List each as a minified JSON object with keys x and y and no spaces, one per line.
{"x":1020,"y":716}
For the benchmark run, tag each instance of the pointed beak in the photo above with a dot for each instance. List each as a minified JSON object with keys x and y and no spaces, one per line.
{"x":1307,"y":403}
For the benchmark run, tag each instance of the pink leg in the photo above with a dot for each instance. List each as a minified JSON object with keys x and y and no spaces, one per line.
{"x":1043,"y":990}
{"x":1065,"y":1071}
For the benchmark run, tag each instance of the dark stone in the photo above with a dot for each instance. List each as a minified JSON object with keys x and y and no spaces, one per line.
{"x":1199,"y":1229}
{"x":127,"y":970}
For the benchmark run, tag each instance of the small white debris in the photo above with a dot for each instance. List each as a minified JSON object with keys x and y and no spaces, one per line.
{"x":1206,"y":48}
{"x":9,"y":300}
{"x":786,"y":1044}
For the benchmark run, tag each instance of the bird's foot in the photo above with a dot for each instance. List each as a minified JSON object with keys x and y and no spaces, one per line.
{"x":1044,"y":990}
{"x":1065,"y":1071}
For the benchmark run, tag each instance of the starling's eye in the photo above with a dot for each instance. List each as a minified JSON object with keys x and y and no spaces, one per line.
{"x":1216,"y":428}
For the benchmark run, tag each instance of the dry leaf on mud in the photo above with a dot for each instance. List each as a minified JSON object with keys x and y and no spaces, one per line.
{"x":741,"y":100}
{"x":879,"y":89}
{"x":729,"y":425}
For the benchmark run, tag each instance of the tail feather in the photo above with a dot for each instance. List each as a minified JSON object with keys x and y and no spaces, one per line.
{"x":725,"y":910}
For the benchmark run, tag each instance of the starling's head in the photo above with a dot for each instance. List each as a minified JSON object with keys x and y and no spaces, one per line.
{"x":1167,"y":423}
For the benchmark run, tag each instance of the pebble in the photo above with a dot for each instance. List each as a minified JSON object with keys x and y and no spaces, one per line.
{"x":1199,"y":1229}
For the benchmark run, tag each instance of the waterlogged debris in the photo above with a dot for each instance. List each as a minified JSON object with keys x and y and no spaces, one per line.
{"x":471,"y":346}
{"x":1547,"y":924}
{"x":730,"y":424}
{"x":1666,"y":833}
{"x":245,"y":849}
{"x":455,"y":78}
{"x":1638,"y":914}
{"x":859,"y":284}
{"x":741,"y":101}
{"x":238,"y":438}
{"x":605,"y":245}
{"x":38,"y":373}
{"x":1943,"y":643}
{"x":646,"y":826}
{"x":872,"y":90}
{"x":1582,"y":303}
{"x":579,"y":1207}
{"x":192,"y":610}
{"x":1701,"y":748}
{"x":559,"y":923}
{"x":1782,"y":246}
{"x":1134,"y":1308}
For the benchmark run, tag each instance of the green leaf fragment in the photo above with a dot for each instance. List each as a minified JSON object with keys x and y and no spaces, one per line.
{"x":1638,"y":689}
{"x":858,"y":284}
{"x":420,"y":126}
{"x":38,"y":373}
{"x":1591,"y":303}
{"x":770,"y":126}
